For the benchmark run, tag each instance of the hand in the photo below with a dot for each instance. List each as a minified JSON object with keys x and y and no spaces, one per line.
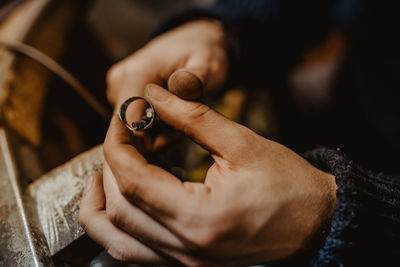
{"x":260,"y":201}
{"x":93,"y":218}
{"x":189,"y":58}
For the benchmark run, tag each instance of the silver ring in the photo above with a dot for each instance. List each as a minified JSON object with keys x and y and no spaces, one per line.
{"x":122,"y":114}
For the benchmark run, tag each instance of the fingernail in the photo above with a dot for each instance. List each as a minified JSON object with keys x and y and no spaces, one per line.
{"x":157,"y":93}
{"x":89,"y":181}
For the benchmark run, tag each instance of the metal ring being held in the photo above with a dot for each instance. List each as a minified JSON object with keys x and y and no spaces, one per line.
{"x":144,"y":124}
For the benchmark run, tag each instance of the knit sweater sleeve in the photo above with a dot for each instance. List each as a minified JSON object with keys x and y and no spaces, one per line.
{"x":365,"y":229}
{"x":268,"y":36}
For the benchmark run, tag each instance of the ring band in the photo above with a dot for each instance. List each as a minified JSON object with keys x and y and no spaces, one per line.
{"x":124,"y":107}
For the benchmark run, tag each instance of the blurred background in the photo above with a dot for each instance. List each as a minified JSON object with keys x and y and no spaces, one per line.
{"x":123,"y":26}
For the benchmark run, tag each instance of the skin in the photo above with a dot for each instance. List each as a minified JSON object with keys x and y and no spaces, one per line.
{"x":198,"y":48}
{"x":260,"y":201}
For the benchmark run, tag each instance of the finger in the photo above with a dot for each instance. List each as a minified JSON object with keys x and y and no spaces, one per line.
{"x":185,"y":84}
{"x":210,"y":129}
{"x":151,"y":188}
{"x":90,"y":200}
{"x":134,"y":221}
{"x":119,"y":244}
{"x":93,"y":219}
{"x":129,"y":77}
{"x":140,"y":225}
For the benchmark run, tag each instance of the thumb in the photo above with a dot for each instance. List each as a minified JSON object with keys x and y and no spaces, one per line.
{"x":185,"y":84}
{"x":205,"y":126}
{"x":200,"y":75}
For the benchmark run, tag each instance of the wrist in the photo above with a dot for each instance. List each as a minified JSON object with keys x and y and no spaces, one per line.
{"x":324,"y":217}
{"x":330,"y":203}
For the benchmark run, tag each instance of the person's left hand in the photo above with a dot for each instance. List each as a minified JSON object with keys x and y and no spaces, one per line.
{"x":260,"y":201}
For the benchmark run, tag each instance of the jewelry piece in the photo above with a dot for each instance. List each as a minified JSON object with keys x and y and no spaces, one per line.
{"x":145,"y":122}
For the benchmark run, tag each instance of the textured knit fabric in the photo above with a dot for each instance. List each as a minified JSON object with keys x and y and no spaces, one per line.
{"x":366,"y":226}
{"x":269,"y":36}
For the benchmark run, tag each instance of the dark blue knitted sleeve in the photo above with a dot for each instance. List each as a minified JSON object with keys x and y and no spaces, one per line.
{"x":365,"y":230}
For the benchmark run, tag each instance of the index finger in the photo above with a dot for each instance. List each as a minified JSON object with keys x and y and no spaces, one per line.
{"x":151,"y":188}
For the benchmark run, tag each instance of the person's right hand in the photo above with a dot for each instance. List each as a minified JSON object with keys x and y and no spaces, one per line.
{"x":188,"y":59}
{"x":260,"y":201}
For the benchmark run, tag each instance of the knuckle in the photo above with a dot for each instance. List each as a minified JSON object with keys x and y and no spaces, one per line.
{"x":133,"y":195}
{"x":126,"y":186}
{"x":114,"y":74}
{"x":199,"y":111}
{"x":111,"y":152}
{"x":115,"y":214}
{"x":133,"y":64}
{"x":197,"y":192}
{"x":204,"y":238}
{"x":207,"y":229}
{"x":127,"y":190}
{"x":197,"y":114}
